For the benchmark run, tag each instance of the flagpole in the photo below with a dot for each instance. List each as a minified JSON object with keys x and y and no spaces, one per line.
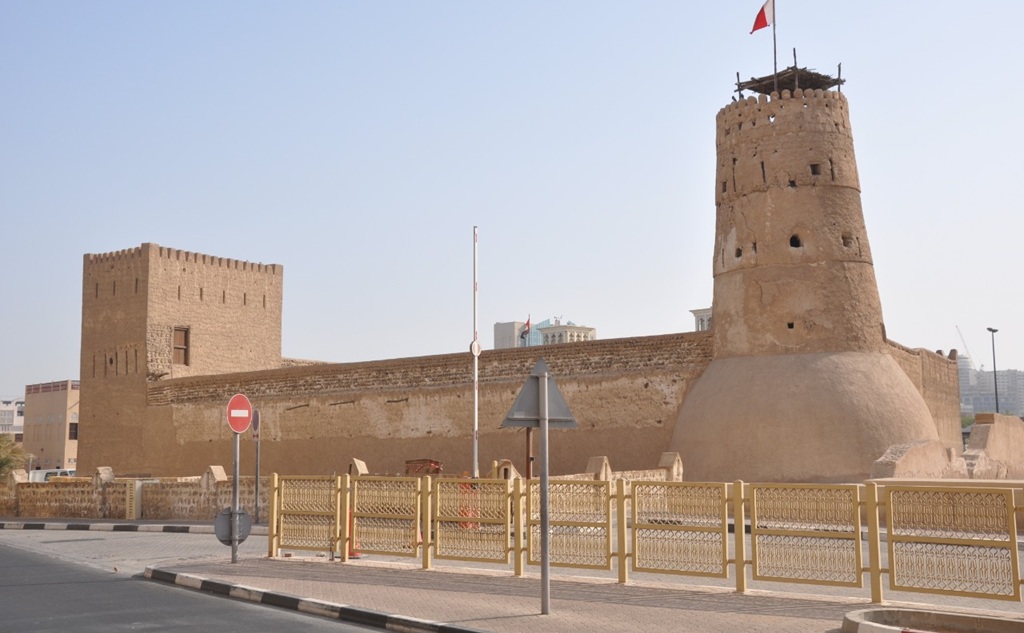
{"x":475,"y":349}
{"x":775,"y":50}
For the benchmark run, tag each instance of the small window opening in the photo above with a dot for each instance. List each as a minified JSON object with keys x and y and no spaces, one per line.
{"x":180,"y":352}
{"x":789,"y":325}
{"x":739,"y":253}
{"x":815,"y":169}
{"x":113,"y":290}
{"x":771,"y":118}
{"x":264,"y":301}
{"x":223,"y":296}
{"x":764,"y":176}
{"x":832,"y":169}
{"x":754,"y":246}
{"x":245,"y":298}
{"x":794,"y":241}
{"x":136,"y":285}
{"x":723,"y":186}
{"x":97,"y":291}
{"x":792,"y":183}
{"x":200,"y":294}
{"x":179,"y":293}
{"x":847,"y":241}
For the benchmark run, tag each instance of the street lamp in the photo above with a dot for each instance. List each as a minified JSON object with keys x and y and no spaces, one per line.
{"x":995,"y":376}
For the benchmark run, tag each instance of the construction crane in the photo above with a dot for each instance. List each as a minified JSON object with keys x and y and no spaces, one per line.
{"x":967,"y":352}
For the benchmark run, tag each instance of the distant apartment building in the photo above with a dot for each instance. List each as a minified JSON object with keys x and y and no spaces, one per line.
{"x":51,"y":424}
{"x":978,"y":391}
{"x":12,"y":417}
{"x":701,"y":319}
{"x":547,"y":332}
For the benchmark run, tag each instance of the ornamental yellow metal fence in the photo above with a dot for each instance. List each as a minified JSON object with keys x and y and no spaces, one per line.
{"x":953,"y":541}
{"x":386,"y":514}
{"x":680,"y":528}
{"x":806,"y":534}
{"x":581,"y":524}
{"x":305,"y":513}
{"x":472,"y":520}
{"x":949,"y":539}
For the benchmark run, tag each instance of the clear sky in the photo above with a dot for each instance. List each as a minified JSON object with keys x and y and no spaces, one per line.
{"x":358,"y":142}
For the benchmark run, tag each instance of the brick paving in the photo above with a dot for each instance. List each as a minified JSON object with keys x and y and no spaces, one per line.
{"x":484,"y":599}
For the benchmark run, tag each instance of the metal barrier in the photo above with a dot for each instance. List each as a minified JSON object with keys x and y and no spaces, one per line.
{"x":957,"y":540}
{"x":386,"y":514}
{"x":305,"y":513}
{"x":473,"y":520}
{"x":954,"y":541}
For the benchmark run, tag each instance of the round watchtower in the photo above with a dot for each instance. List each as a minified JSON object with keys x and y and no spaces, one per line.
{"x":801,"y":386}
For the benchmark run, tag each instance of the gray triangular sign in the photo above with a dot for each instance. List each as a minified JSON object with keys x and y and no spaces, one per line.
{"x":525,"y":410}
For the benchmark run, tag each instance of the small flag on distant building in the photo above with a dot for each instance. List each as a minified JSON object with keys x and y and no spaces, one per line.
{"x":526,"y":330}
{"x":765,"y":17}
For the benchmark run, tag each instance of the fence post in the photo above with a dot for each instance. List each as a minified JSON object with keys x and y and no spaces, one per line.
{"x":620,"y":508}
{"x":738,"y":529}
{"x":518,"y":525}
{"x":346,"y":543}
{"x":274,"y":527}
{"x":874,"y":544}
{"x":425,"y":491}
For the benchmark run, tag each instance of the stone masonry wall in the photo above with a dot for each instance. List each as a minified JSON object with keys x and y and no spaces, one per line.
{"x":191,"y":501}
{"x":935,"y":376}
{"x":625,"y":393}
{"x":72,"y":499}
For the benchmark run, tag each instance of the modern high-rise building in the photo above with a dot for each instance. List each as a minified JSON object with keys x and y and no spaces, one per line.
{"x":701,"y":319}
{"x":51,"y":424}
{"x":978,"y":393}
{"x":547,"y":332}
{"x":12,"y":417}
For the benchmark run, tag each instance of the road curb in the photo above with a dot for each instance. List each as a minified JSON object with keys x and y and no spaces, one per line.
{"x":120,"y":527}
{"x":343,"y":612}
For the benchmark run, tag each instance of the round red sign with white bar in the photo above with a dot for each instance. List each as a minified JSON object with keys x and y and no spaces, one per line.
{"x":239,"y":413}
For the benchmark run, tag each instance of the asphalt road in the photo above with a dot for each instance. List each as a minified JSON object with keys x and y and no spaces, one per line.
{"x":44,"y":594}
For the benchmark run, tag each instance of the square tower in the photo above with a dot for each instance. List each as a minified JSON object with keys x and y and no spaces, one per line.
{"x":153,"y":313}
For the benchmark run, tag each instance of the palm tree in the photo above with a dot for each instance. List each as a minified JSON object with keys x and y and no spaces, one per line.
{"x":12,"y":456}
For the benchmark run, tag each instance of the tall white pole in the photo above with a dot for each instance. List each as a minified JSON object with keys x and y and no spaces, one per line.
{"x":475,"y":349}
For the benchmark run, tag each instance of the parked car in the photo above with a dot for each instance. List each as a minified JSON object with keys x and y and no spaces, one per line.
{"x":41,"y":476}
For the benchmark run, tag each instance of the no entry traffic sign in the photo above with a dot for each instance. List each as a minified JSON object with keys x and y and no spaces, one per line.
{"x":239,"y":413}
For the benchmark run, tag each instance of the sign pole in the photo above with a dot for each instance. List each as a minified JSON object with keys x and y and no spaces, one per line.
{"x":234,"y":506}
{"x":541,"y":404}
{"x":256,"y":433}
{"x":240,"y":416}
{"x":545,"y":518}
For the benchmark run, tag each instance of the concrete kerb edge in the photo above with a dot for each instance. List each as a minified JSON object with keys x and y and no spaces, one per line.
{"x":121,"y":527}
{"x":343,"y":612}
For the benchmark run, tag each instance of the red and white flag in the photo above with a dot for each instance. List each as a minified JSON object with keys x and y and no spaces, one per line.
{"x":526,"y":330}
{"x":765,"y":17}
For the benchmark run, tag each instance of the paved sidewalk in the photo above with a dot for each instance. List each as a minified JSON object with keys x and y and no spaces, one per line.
{"x":449,"y":598}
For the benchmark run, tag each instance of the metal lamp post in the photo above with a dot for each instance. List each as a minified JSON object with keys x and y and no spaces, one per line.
{"x":995,"y":375}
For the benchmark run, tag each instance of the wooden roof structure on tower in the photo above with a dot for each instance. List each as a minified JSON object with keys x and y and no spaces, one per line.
{"x":790,"y":79}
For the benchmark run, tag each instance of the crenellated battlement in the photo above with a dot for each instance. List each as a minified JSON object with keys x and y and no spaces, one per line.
{"x":131,"y":255}
{"x":785,"y":109}
{"x":115,"y":256}
{"x":211,"y":260}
